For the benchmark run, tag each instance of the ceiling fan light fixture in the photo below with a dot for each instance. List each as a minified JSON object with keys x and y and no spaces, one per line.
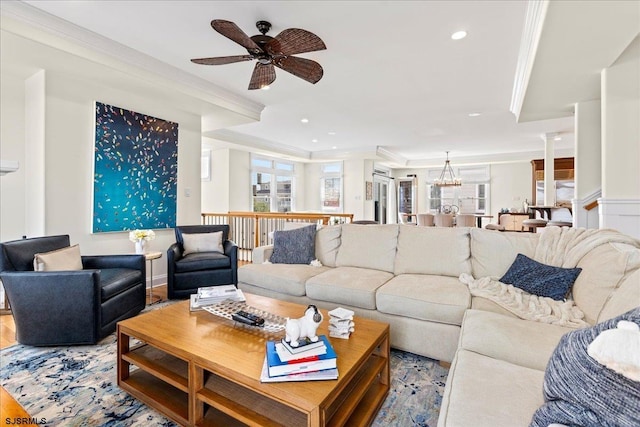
{"x":459,"y":35}
{"x":270,"y":52}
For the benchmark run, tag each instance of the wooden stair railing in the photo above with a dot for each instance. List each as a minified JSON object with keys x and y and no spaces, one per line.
{"x":591,"y":205}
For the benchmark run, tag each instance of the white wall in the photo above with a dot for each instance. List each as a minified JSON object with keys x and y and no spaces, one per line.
{"x":619,"y":207}
{"x":239,"y":180}
{"x":354,"y":188}
{"x":510,"y":185}
{"x":313,"y":173}
{"x":215,"y":192}
{"x":12,"y":134}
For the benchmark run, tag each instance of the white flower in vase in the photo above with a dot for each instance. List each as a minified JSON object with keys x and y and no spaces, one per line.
{"x":140,"y":238}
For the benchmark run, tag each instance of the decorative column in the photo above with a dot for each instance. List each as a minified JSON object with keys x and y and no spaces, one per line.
{"x":549,"y":170}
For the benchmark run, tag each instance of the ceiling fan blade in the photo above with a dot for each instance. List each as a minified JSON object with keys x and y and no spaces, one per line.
{"x":263,"y":75}
{"x":304,"y":68}
{"x":294,"y":40}
{"x":233,"y":32}
{"x":221,"y":60}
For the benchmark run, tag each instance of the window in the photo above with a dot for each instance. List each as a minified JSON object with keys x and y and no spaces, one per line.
{"x":272,"y":185}
{"x":331,"y":188}
{"x":471,"y":197}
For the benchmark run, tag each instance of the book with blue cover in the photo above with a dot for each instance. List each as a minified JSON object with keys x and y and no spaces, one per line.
{"x":277,"y":367}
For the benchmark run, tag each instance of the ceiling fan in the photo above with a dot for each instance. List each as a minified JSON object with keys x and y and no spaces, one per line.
{"x":270,"y":51}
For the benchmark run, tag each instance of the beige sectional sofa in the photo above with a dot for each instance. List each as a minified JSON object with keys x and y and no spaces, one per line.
{"x":408,"y":276}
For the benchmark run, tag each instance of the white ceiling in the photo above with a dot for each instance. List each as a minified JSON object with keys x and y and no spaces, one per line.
{"x":393,"y":78}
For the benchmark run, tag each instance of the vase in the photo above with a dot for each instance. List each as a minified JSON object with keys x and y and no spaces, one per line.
{"x":140,"y":244}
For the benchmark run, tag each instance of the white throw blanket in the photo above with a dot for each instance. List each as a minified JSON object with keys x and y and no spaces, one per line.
{"x":525,"y":305}
{"x":565,"y":247}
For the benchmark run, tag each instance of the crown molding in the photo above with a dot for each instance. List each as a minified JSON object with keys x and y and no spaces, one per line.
{"x":33,"y":23}
{"x":534,"y":21}
{"x":255,"y":143}
{"x":388,"y":154}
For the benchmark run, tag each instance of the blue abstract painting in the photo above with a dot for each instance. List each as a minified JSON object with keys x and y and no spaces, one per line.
{"x":135,"y":171}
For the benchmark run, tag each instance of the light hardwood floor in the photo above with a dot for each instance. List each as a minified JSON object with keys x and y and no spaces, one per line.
{"x":9,"y":408}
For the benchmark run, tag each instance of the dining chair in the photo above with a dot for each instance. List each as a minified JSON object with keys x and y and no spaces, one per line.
{"x":443,"y":220}
{"x":465,"y":220}
{"x":426,"y":220}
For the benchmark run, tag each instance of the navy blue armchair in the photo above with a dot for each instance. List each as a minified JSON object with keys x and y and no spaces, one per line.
{"x":187,"y":273}
{"x":69,"y":307}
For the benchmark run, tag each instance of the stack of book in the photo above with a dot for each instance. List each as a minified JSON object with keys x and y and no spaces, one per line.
{"x":309,"y":361}
{"x":214,"y":295}
{"x":341,"y":323}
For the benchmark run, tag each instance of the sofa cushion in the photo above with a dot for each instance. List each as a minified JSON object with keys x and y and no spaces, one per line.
{"x":348,"y":285}
{"x":580,"y":391}
{"x":288,"y":279}
{"x":368,"y":246}
{"x":64,"y":259}
{"x":603,"y":270}
{"x":540,"y":279}
{"x":202,"y":261}
{"x":492,"y":253}
{"x":116,"y":280}
{"x":486,"y":392}
{"x":327,"y":244}
{"x":202,"y":242}
{"x":295,"y":246}
{"x":433,"y":250}
{"x":513,"y":340}
{"x":439,"y":299}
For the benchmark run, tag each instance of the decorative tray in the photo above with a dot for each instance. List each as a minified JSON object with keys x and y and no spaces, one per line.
{"x":272,"y":322}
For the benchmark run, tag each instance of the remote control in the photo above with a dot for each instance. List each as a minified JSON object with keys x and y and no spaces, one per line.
{"x":247,"y":318}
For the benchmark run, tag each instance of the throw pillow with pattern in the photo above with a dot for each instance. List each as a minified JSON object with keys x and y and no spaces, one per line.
{"x":294,"y":246}
{"x":540,"y":279}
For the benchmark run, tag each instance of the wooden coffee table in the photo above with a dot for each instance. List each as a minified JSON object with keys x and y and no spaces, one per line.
{"x":200,"y":369}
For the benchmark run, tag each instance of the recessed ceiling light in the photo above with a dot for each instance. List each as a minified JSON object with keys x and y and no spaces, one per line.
{"x":334,"y":148}
{"x":459,"y":35}
{"x":304,"y":120}
{"x":314,"y":140}
{"x":332,"y":133}
{"x":474,"y":114}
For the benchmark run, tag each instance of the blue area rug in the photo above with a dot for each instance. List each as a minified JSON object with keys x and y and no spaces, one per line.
{"x":77,"y":386}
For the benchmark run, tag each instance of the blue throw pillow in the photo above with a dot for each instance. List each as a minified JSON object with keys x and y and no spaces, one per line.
{"x":579,"y":391}
{"x":294,"y":246}
{"x":540,"y":279}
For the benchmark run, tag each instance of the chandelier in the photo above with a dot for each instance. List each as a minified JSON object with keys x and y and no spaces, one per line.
{"x":447,"y":178}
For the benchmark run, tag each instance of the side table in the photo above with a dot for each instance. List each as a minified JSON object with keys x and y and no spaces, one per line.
{"x":151,"y":256}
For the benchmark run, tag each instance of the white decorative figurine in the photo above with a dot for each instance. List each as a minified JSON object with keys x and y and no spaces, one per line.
{"x":304,"y":327}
